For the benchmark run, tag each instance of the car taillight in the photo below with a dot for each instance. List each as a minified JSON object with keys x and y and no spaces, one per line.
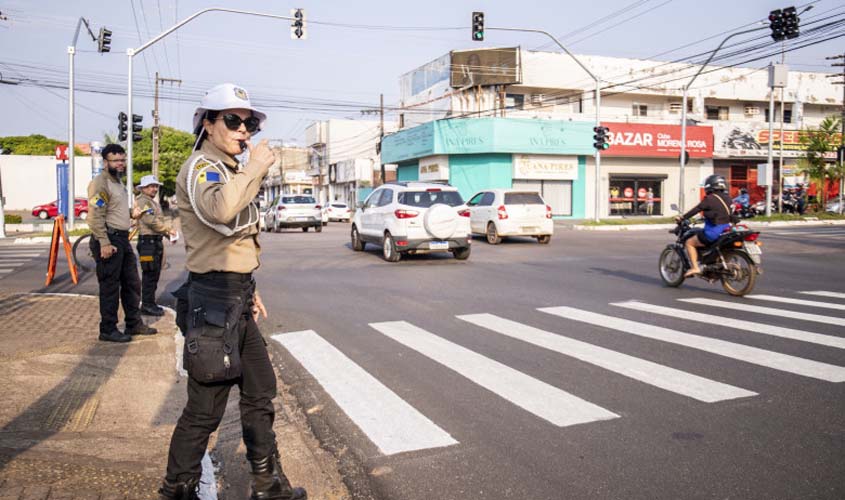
{"x":405,"y":214}
{"x":281,"y":207}
{"x":503,"y":214}
{"x":317,"y":206}
{"x":548,"y":212}
{"x":464,"y":212}
{"x":752,"y":237}
{"x":433,"y":190}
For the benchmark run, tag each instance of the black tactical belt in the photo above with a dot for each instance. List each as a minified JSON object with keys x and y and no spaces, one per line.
{"x":118,"y":232}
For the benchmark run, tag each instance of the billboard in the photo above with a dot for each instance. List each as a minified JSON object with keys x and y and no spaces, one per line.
{"x":657,"y":141}
{"x":485,"y":67}
{"x":737,"y":140}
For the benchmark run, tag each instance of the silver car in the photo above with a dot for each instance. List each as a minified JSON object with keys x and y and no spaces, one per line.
{"x":294,"y":210}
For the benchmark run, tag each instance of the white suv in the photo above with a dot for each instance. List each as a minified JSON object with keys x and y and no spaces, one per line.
{"x":411,"y":217}
{"x":510,"y":212}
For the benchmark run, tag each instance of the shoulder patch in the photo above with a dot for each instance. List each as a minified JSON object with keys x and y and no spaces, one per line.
{"x":208,"y":176}
{"x":97,"y":201}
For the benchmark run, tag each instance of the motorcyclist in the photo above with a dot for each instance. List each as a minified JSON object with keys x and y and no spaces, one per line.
{"x":717,"y":218}
{"x":800,"y":198}
{"x":743,"y":199}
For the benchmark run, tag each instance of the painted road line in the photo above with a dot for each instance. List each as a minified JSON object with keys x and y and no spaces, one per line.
{"x":797,"y":302}
{"x":762,"y":357}
{"x":4,"y":271}
{"x":771,"y":311}
{"x":16,"y":254}
{"x":712,"y":319}
{"x":389,"y":422}
{"x":822,"y":293}
{"x":664,"y":377}
{"x":535,"y":396}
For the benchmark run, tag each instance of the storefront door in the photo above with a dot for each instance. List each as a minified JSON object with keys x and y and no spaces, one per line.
{"x":629,"y":195}
{"x":558,"y":194}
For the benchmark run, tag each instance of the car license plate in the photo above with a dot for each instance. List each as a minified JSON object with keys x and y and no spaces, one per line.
{"x":301,"y":218}
{"x":529,"y":229}
{"x":438,"y":245}
{"x":752,"y":249}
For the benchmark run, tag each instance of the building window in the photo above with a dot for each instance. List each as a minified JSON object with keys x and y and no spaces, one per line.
{"x":717,"y":112}
{"x":639,"y":110}
{"x":514,"y":101}
{"x":787,"y":115}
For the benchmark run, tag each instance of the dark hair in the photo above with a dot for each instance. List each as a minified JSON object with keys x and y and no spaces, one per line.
{"x":200,"y":133}
{"x":113,"y":149}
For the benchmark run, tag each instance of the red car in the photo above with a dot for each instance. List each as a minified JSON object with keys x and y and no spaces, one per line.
{"x":50,"y":210}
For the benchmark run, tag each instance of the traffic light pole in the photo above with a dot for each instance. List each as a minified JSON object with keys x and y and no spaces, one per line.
{"x":598,"y":104}
{"x":131,"y":53}
{"x":681,"y":201}
{"x":71,"y":52}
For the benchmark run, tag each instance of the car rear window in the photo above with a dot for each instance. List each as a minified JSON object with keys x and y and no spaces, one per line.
{"x":523,"y":199}
{"x":426,"y":199}
{"x":298,"y":199}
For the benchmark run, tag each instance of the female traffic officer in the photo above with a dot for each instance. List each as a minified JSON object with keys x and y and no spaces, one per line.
{"x":717,"y":218}
{"x":219,"y":309}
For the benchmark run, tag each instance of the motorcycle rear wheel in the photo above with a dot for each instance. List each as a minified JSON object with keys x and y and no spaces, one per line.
{"x":671,"y":267}
{"x":741,"y":274}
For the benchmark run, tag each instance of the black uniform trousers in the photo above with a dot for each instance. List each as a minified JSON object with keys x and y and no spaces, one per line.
{"x":207,"y":402}
{"x":118,"y":278}
{"x":150,"y":253}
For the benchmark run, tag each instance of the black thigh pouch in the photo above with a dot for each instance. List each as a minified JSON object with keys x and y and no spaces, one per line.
{"x":212,"y":350}
{"x":147,"y":250}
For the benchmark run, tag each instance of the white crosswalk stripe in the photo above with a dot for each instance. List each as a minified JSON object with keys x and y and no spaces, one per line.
{"x":389,"y":422}
{"x":771,"y":311}
{"x":545,"y":401}
{"x":774,"y":330}
{"x":762,"y":357}
{"x":822,"y":293}
{"x":645,"y":371}
{"x":798,"y":302}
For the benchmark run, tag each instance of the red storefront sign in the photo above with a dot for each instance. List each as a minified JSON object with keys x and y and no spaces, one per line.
{"x":661,"y":141}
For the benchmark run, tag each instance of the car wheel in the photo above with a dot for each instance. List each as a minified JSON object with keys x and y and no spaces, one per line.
{"x":357,"y":243}
{"x":461,"y":253}
{"x":544,"y":239}
{"x":319,"y":228}
{"x":83,"y":215}
{"x":388,"y":249}
{"x":305,"y":229}
{"x":492,"y":235}
{"x":43,"y":215}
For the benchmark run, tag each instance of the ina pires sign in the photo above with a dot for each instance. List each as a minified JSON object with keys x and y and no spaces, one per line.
{"x":634,"y":139}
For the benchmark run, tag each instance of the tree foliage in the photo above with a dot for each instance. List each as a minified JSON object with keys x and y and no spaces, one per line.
{"x":32,"y":145}
{"x":174,"y":148}
{"x":818,"y":142}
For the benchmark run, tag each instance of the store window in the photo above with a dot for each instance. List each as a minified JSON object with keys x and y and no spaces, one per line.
{"x":640,"y":195}
{"x":639,"y":109}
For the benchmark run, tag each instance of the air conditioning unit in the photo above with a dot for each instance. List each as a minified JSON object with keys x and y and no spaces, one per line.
{"x":675,"y":107}
{"x":752,"y":110}
{"x":537,"y":99}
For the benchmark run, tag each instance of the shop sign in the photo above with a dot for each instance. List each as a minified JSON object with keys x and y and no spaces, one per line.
{"x":657,"y":141}
{"x":434,"y":168}
{"x":752,"y":140}
{"x":545,"y":167}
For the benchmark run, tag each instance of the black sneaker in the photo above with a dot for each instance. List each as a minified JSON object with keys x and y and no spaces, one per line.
{"x":142,"y":329}
{"x":152,"y":310}
{"x":115,"y":336}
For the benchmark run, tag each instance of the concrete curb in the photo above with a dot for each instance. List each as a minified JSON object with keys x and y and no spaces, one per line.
{"x":751,"y":224}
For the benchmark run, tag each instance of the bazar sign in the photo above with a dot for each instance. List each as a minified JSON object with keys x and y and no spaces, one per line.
{"x":545,"y":167}
{"x":634,"y":139}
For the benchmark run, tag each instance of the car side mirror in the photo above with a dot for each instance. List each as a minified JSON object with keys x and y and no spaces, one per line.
{"x":359,"y":205}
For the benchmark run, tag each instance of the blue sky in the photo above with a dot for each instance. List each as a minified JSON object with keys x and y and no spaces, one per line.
{"x":337,"y":70}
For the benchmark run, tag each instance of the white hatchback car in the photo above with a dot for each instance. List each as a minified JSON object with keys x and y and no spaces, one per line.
{"x":413,"y":217}
{"x":338,"y":212}
{"x":510,"y":212}
{"x":294,"y":210}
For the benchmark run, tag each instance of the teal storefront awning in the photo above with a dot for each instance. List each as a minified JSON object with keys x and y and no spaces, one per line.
{"x":489,"y":135}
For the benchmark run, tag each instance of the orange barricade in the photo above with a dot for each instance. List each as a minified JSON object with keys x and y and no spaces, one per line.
{"x":59,"y":232}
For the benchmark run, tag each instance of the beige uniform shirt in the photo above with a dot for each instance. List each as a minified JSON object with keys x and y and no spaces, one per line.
{"x":108,"y":206}
{"x":152,"y":220}
{"x":223,"y":192}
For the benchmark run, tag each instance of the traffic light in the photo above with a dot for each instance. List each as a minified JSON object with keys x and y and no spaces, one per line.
{"x":136,"y":127}
{"x":790,"y":23}
{"x":297,"y":27}
{"x":478,"y":26}
{"x":601,"y":139}
{"x":104,"y":40}
{"x":122,"y":127}
{"x":776,"y":24}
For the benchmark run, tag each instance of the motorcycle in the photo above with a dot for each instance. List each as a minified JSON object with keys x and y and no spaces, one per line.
{"x":744,"y":211}
{"x":734,"y":259}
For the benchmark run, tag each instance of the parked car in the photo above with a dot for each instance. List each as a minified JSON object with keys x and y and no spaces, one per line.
{"x":497,"y":213}
{"x":338,"y":212}
{"x":294,"y":210}
{"x":50,"y":210}
{"x":412,"y":217}
{"x":833,"y":206}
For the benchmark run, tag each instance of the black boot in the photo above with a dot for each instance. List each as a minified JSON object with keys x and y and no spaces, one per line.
{"x":271,"y":483}
{"x":186,"y":490}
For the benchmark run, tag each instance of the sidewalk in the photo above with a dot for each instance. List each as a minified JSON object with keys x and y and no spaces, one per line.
{"x":84,"y":419}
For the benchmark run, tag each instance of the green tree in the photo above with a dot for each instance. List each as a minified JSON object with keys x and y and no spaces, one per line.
{"x":175,"y":146}
{"x":32,"y":145}
{"x":818,"y":142}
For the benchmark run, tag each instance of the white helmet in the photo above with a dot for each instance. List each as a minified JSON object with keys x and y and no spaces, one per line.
{"x":225,"y":96}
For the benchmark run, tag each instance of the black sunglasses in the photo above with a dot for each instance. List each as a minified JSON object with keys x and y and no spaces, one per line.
{"x":233,"y":122}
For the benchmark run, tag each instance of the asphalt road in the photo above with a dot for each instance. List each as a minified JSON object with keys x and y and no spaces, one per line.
{"x":559,"y":371}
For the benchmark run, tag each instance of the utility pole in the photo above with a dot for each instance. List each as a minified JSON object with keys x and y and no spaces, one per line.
{"x":381,"y":135}
{"x":782,"y":111}
{"x":842,"y":134}
{"x":156,"y":129}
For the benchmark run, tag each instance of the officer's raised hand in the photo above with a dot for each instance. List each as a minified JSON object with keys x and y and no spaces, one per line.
{"x":260,"y":155}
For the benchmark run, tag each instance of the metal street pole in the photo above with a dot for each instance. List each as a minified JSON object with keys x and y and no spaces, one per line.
{"x":71,"y":52}
{"x":780,"y":169}
{"x":681,"y":200}
{"x":598,"y":104}
{"x":770,"y":167}
{"x":131,"y":53}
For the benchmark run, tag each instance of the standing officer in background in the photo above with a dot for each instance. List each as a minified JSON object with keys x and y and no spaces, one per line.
{"x":117,"y":273}
{"x":223,"y":346}
{"x":152,"y":227}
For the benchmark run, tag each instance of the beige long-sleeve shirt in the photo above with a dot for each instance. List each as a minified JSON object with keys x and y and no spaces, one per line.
{"x":223,"y":192}
{"x":108,"y":206}
{"x":151,"y":221}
